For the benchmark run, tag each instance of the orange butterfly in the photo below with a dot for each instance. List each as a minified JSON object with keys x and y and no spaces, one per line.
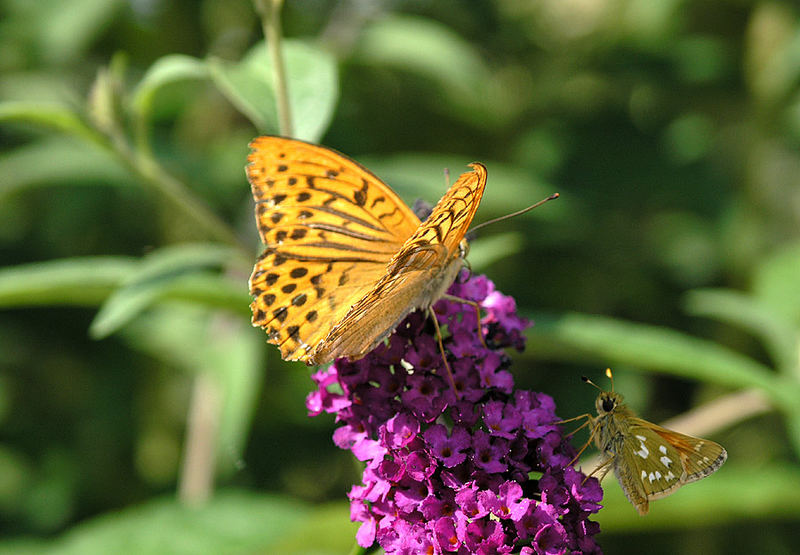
{"x":346,"y":260}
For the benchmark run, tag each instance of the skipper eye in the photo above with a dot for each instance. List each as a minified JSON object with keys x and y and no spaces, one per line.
{"x":608,"y":404}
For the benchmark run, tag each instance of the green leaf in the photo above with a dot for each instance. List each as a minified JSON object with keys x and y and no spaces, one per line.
{"x":312,"y":82}
{"x":67,"y":29}
{"x":483,"y":252}
{"x":749,"y":314}
{"x":732,"y":494}
{"x":232,"y":522}
{"x":435,"y":52}
{"x":775,"y":282}
{"x":49,"y":115}
{"x":71,"y":282}
{"x":210,"y":289}
{"x":605,"y":341}
{"x":165,"y":71}
{"x":69,"y":162}
{"x":154,"y":276}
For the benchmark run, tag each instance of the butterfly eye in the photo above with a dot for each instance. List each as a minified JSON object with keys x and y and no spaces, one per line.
{"x":608,"y":404}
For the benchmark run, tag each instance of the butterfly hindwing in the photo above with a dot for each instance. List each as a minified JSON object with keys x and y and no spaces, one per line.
{"x":654,"y":466}
{"x":295,"y":301}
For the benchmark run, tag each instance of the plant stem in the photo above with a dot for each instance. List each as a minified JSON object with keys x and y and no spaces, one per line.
{"x":174,"y":191}
{"x":270,"y":11}
{"x":197,"y":472}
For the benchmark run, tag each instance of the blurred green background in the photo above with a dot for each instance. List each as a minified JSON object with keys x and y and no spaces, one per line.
{"x":140,"y":412}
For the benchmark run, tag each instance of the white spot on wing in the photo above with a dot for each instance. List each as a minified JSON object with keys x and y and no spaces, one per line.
{"x":643,"y":451}
{"x":641,"y":438}
{"x":669,"y":476}
{"x":663,"y":450}
{"x":666,"y":461}
{"x":644,"y":475}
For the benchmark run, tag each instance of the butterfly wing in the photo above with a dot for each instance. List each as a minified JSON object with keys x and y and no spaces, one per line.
{"x":416,"y":276}
{"x":330,"y":227}
{"x":653,"y":462}
{"x":699,"y":457}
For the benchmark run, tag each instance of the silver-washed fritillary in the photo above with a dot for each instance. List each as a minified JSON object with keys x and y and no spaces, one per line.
{"x":346,"y":260}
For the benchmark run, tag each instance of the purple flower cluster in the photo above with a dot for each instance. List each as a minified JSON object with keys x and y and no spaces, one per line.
{"x":483,"y":471}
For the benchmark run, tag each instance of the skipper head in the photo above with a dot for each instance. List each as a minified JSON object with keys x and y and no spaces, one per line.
{"x":607,"y":401}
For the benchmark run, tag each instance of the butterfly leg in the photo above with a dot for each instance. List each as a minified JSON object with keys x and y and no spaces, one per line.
{"x":477,"y":308}
{"x":605,"y":465}
{"x":441,"y":349}
{"x":588,"y":418}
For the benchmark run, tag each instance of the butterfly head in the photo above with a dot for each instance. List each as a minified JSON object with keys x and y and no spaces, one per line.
{"x":607,"y":402}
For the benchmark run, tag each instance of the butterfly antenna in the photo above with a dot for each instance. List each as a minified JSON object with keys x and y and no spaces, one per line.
{"x":517,"y":213}
{"x":590,"y":382}
{"x":610,"y":376}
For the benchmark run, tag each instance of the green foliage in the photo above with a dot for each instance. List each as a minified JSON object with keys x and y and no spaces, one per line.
{"x":312,"y":82}
{"x":669,"y":128}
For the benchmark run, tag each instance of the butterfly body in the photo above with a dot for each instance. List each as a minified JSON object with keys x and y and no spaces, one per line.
{"x":345,"y":260}
{"x":649,"y":461}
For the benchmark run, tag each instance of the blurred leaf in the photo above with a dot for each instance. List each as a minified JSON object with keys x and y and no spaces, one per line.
{"x":485,"y":251}
{"x":232,"y":522}
{"x":175,"y":334}
{"x":66,"y":29}
{"x":775,"y":282}
{"x":747,"y":313}
{"x":733,"y":494}
{"x":156,"y":273}
{"x":435,"y":52}
{"x":772,"y":52}
{"x":688,"y":138}
{"x":59,"y":161}
{"x":211,"y":290}
{"x":312,"y":82}
{"x":72,"y":282}
{"x":103,"y":101}
{"x":48,"y":115}
{"x":165,"y":71}
{"x":605,"y":341}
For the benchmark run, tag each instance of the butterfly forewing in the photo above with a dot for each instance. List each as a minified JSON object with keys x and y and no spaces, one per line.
{"x":450,"y":218}
{"x":329,"y":226}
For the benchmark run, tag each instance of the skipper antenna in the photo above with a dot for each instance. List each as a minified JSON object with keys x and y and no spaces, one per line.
{"x":590,"y":382}
{"x":610,"y":377}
